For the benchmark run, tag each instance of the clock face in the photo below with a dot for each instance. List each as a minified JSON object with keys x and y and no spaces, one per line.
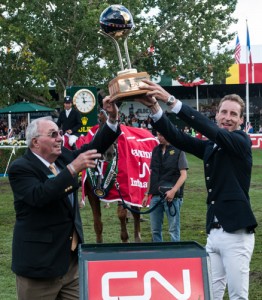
{"x":84,"y":100}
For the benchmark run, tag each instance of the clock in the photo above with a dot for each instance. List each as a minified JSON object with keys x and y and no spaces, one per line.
{"x":84,"y":100}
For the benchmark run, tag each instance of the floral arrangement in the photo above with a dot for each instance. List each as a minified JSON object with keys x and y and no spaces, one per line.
{"x":13,"y":142}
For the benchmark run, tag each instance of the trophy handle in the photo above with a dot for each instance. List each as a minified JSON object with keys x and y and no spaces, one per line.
{"x":117,"y":48}
{"x":127,"y":54}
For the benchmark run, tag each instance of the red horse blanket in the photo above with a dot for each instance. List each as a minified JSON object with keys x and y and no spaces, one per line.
{"x":134,"y":150}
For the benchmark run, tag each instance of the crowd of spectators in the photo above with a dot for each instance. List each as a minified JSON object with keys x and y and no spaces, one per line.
{"x":17,"y":131}
{"x":3,"y":128}
{"x":209,"y":111}
{"x":134,"y":119}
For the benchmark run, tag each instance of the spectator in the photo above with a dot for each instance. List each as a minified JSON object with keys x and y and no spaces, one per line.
{"x":168,"y":170}
{"x":250,"y":128}
{"x":143,"y":125}
{"x":134,"y":122}
{"x":186,"y":130}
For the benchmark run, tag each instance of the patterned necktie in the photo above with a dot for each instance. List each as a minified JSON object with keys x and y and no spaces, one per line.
{"x":53,"y":169}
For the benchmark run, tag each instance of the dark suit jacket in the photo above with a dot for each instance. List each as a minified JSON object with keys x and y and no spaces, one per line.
{"x":227,"y":167}
{"x":45,"y":218}
{"x":73,"y":121}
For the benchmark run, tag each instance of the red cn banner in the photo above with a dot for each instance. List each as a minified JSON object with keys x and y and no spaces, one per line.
{"x":152,"y":279}
{"x":256,"y":140}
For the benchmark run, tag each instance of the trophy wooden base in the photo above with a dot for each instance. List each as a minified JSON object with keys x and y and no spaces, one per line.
{"x":126,"y":86}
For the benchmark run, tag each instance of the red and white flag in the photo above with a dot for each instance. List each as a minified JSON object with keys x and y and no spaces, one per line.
{"x":10,"y":133}
{"x":248,"y":47}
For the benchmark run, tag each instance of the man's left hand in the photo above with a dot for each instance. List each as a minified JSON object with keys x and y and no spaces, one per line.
{"x":110,"y":107}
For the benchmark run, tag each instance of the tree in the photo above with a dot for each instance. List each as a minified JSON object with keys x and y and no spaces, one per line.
{"x":58,"y":41}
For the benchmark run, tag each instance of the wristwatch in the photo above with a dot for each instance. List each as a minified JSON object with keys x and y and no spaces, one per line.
{"x":112,"y":121}
{"x":171,"y":100}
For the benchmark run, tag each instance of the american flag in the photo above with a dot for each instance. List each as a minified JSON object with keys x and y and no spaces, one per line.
{"x":237,"y":51}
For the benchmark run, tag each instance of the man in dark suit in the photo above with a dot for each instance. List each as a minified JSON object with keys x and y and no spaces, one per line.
{"x":227,"y":160}
{"x":48,"y":226}
{"x":69,"y":121}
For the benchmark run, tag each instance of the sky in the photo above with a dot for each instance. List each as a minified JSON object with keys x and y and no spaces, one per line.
{"x":247,"y":12}
{"x":250,"y":10}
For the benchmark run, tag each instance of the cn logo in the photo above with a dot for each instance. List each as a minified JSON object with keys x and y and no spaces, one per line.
{"x":144,"y":279}
{"x":256,"y":141}
{"x":109,"y":277}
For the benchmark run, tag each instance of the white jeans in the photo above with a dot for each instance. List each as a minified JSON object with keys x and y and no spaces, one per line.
{"x":230,"y":255}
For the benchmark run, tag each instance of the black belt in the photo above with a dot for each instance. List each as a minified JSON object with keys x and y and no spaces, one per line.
{"x":215,"y":225}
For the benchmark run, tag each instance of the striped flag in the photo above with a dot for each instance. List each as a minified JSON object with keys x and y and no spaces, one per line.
{"x":250,"y":58}
{"x":248,"y":46}
{"x":10,"y":133}
{"x":237,"y":51}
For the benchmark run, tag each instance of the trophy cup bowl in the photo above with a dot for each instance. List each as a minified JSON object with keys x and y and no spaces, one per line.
{"x":116,"y":23}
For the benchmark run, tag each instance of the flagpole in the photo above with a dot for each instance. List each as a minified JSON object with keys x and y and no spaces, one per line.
{"x":247,"y":80}
{"x":9,"y":122}
{"x":197,"y":98}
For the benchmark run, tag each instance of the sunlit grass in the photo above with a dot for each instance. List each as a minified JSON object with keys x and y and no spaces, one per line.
{"x":192,"y":224}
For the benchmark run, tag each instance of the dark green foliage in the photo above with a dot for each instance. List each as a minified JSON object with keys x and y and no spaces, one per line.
{"x":58,"y":41}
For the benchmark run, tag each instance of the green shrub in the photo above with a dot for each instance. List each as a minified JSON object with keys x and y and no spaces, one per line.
{"x":8,"y":155}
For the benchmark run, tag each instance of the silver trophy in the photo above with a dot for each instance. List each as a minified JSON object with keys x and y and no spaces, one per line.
{"x":116,"y":23}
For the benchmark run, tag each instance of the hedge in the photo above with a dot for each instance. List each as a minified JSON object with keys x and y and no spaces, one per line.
{"x":5,"y":154}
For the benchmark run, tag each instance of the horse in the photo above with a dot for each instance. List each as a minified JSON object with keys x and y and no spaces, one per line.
{"x":95,"y":205}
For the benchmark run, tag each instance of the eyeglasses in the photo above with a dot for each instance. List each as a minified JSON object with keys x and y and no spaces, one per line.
{"x":52,"y":134}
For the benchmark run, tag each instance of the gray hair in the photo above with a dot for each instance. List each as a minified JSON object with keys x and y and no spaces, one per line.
{"x":32,"y":130}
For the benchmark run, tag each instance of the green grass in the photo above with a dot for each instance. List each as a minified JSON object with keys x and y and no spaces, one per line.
{"x":192,"y":224}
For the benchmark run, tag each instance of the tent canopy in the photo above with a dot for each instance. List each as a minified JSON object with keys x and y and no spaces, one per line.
{"x":24,"y":107}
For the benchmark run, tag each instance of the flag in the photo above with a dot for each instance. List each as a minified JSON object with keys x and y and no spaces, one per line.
{"x":151,"y":50}
{"x":237,"y":51}
{"x":248,"y":46}
{"x":10,"y":133}
{"x":250,"y":58}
